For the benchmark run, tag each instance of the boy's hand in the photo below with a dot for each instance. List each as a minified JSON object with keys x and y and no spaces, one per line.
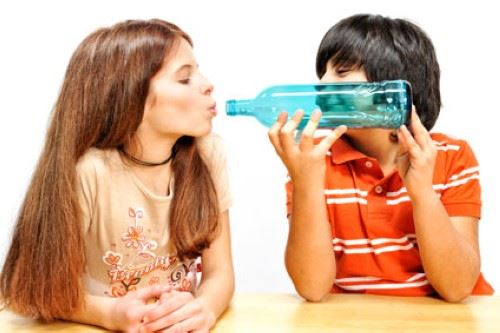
{"x":417,"y":158}
{"x":304,"y":160}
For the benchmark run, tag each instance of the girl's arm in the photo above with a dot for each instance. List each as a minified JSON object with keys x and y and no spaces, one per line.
{"x":122,"y":313}
{"x":217,"y":283}
{"x":448,"y":246}
{"x":309,"y":255}
{"x":183,"y":312}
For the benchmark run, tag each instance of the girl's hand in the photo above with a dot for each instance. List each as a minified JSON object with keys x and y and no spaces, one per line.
{"x":417,"y":158}
{"x":178,"y":312}
{"x":305,"y":159}
{"x":129,"y":310}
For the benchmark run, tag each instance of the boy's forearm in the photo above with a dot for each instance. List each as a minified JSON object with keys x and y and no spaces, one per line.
{"x":452,"y":265}
{"x":309,"y":256}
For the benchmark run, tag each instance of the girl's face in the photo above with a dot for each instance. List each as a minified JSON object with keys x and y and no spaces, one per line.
{"x":179,"y":100}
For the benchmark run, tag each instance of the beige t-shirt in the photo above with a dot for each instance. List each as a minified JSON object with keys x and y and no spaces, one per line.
{"x":126,"y":225}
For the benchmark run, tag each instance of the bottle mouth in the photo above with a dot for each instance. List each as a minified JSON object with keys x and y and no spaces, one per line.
{"x":238,"y":107}
{"x":231,"y":107}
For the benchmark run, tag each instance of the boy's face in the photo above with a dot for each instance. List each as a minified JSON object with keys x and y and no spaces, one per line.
{"x":333,"y":75}
{"x":343,"y":75}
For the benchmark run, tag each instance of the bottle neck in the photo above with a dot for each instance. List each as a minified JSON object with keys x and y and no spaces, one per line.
{"x":240,"y":107}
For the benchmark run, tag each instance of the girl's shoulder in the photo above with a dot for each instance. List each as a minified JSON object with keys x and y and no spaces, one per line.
{"x":98,"y":161}
{"x":209,"y":140}
{"x":210,"y":146}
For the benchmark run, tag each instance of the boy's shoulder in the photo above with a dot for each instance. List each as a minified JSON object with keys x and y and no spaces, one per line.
{"x":445,"y":142}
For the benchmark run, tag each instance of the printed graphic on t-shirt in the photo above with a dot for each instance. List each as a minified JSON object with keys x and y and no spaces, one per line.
{"x":141,"y":266}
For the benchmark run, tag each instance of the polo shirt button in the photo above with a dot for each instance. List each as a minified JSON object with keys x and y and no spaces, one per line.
{"x":378,"y":189}
{"x":368,"y":164}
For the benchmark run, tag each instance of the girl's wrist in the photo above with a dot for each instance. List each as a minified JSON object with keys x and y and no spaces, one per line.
{"x":212,"y":319}
{"x":210,"y":314}
{"x":110,"y":318}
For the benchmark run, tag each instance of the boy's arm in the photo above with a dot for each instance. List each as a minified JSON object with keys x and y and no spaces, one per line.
{"x":309,"y":256}
{"x":448,"y":246}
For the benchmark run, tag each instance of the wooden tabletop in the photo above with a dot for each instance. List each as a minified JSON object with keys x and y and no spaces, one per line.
{"x":261,"y":313}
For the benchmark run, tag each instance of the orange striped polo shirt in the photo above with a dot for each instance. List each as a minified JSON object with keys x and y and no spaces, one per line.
{"x":373,"y":234}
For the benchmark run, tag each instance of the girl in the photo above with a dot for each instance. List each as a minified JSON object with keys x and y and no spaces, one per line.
{"x":375,"y":210}
{"x":130,"y":189}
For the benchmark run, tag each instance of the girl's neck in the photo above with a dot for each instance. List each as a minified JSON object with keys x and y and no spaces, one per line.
{"x":155,"y":178}
{"x":150,"y":153}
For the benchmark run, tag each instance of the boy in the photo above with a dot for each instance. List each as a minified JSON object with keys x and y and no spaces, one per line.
{"x":375,"y":210}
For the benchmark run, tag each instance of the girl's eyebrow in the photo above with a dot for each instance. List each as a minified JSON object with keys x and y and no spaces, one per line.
{"x":186,"y":66}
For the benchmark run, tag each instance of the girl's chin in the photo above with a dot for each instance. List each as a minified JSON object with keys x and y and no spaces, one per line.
{"x":201,"y":132}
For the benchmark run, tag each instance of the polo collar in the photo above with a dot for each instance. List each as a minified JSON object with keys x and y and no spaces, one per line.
{"x":342,"y":151}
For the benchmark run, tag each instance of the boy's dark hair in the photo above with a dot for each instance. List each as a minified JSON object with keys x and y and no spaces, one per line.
{"x":386,"y":49}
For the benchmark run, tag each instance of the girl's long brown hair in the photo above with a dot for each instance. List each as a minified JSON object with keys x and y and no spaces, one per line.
{"x":101,"y":105}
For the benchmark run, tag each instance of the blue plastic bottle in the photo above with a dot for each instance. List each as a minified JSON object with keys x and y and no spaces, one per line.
{"x":385,"y":104}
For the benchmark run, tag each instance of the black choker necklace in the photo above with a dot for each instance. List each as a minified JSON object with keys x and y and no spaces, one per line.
{"x":145,"y":163}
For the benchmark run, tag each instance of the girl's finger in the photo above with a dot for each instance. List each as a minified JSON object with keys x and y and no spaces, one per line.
{"x":149,"y":292}
{"x":170,"y":319}
{"x":176,"y":301}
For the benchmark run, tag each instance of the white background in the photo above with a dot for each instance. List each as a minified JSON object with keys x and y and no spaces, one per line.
{"x":242,"y":47}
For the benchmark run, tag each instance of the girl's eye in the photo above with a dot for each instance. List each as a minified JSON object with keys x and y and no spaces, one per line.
{"x":185,"y":81}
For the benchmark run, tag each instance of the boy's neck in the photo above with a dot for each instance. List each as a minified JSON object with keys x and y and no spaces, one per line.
{"x":379,"y":144}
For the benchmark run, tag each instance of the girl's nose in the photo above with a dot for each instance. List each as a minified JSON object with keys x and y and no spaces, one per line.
{"x":206,"y":87}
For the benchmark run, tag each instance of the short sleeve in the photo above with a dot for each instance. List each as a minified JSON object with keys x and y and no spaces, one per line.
{"x":213,"y":149}
{"x":87,"y":188}
{"x":461,"y":195}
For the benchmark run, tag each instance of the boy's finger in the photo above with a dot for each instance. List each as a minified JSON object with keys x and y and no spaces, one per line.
{"x":274,"y":131}
{"x":330,"y":139}
{"x":287,"y":141}
{"x":306,"y":139}
{"x":420,"y":133}
{"x":412,"y":146}
{"x":294,"y":122}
